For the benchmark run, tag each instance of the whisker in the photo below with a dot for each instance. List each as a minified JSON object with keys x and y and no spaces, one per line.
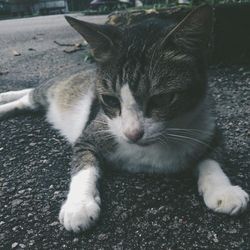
{"x":101,"y":122}
{"x":102,"y":131}
{"x":190,"y":138}
{"x":175,"y":139}
{"x":191,"y":130}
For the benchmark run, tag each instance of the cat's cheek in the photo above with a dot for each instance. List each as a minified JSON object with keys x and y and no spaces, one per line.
{"x":152,"y":126}
{"x":115,"y":126}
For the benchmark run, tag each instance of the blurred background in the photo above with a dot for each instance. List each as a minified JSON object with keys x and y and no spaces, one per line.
{"x":231,"y":37}
{"x":21,"y":8}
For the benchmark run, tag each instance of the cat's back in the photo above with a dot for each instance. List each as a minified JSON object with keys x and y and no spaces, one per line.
{"x":70,"y":103}
{"x":68,"y":91}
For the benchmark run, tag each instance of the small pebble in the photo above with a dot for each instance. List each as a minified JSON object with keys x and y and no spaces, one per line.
{"x":14,"y":245}
{"x":75,"y":240}
{"x":16,"y":202}
{"x":102,"y":237}
{"x":54,"y":223}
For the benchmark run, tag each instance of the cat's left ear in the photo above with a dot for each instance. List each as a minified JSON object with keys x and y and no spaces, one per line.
{"x":104,"y":40}
{"x":194,"y":31}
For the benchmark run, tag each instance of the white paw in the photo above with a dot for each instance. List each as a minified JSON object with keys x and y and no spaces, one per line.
{"x":226,"y":199}
{"x":81,"y":214}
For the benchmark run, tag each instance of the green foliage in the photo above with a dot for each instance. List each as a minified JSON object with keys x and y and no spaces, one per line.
{"x":158,"y":4}
{"x":23,"y":1}
{"x":88,"y":57}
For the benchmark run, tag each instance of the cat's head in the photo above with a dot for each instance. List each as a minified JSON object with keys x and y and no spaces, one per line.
{"x":150,"y":74}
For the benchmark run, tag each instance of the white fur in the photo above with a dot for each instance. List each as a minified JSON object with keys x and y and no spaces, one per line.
{"x":218,"y":193}
{"x":131,"y":116}
{"x":13,"y":95}
{"x":19,"y":104}
{"x":152,"y":158}
{"x":82,"y":206}
{"x":71,"y":122}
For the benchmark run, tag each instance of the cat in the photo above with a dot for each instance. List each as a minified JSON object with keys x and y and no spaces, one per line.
{"x":142,"y":107}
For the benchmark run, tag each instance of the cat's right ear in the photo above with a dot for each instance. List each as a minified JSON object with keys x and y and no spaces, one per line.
{"x":194,"y":31}
{"x":104,"y":40}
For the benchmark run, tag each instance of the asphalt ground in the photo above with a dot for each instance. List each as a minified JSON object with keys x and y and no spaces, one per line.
{"x":139,"y":211}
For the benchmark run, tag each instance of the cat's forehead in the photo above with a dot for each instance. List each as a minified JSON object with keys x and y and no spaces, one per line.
{"x":149,"y":75}
{"x":143,"y":65}
{"x":130,"y":73}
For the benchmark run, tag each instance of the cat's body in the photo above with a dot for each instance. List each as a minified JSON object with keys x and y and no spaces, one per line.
{"x":142,"y":108}
{"x":70,"y":104}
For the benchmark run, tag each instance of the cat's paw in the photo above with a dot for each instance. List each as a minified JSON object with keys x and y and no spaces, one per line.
{"x":79,"y":215}
{"x":226,"y":199}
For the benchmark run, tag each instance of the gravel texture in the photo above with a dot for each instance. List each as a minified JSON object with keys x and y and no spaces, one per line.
{"x":139,"y":211}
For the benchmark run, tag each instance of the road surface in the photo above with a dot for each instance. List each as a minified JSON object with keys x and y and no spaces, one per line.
{"x":139,"y":211}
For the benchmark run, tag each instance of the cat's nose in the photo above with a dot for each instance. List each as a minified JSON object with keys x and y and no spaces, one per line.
{"x":134,"y":135}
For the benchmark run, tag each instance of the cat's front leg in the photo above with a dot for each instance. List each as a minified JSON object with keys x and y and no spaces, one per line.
{"x":82,"y":206}
{"x":218,"y":192}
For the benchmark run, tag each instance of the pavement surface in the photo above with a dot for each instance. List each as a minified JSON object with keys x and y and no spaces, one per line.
{"x":139,"y":211}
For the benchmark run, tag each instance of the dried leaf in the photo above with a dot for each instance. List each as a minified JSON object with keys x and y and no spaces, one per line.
{"x":15,"y":53}
{"x":4,"y":72}
{"x":64,"y":44}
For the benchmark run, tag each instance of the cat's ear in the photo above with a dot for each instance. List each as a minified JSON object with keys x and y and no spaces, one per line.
{"x":103,"y":39}
{"x":194,"y":31}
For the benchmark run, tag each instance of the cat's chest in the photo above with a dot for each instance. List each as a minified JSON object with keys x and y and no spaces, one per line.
{"x":154,"y":158}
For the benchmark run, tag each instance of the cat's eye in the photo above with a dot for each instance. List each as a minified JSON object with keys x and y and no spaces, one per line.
{"x":159,"y":101}
{"x":111,"y":101}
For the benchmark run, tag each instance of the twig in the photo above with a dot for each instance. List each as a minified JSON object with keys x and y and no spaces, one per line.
{"x":4,"y":72}
{"x":64,"y":44}
{"x":72,"y":50}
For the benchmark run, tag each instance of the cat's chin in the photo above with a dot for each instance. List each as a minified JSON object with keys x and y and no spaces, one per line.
{"x":140,"y":143}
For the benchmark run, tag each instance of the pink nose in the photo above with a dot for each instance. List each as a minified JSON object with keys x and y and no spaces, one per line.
{"x":134,"y":135}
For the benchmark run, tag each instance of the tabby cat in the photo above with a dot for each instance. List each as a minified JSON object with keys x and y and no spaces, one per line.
{"x":141,"y":107}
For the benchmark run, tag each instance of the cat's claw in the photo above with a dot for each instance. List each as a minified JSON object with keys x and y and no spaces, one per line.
{"x":227,"y":199}
{"x":79,"y":215}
